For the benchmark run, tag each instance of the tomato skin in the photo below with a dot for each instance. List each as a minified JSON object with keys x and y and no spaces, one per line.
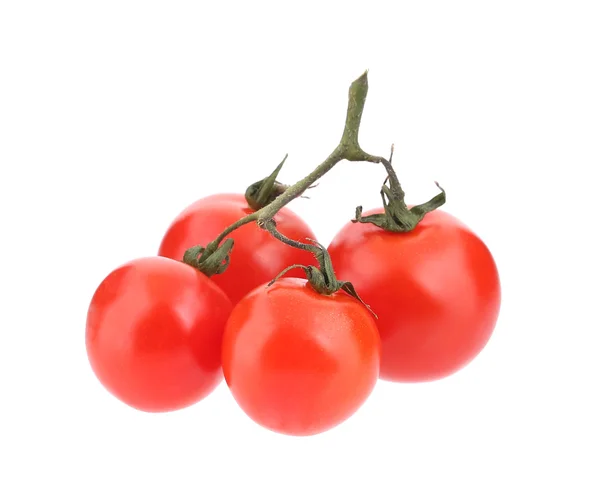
{"x":153,"y":334}
{"x":257,"y":257}
{"x":436,"y":292}
{"x":297,"y":362}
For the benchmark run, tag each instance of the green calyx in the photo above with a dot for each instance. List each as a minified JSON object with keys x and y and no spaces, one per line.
{"x":325,"y":282}
{"x":209,"y":260}
{"x":397,"y":216}
{"x":265,"y":191}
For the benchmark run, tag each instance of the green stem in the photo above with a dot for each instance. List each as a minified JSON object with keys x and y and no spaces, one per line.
{"x":397,"y":216}
{"x":271,"y":226}
{"x":322,"y":278}
{"x":212,"y":246}
{"x":348,"y":148}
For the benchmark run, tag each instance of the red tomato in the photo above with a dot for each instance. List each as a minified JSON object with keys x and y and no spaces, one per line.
{"x":257,"y":257}
{"x":298,"y":362}
{"x":153,"y":334}
{"x":435,"y":290}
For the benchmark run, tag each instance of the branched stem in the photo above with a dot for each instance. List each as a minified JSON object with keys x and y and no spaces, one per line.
{"x":397,"y":217}
{"x":348,"y":149}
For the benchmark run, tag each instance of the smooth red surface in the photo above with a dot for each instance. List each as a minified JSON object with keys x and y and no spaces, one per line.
{"x":297,"y":362}
{"x":256,"y":258}
{"x":153,"y":334}
{"x":435,"y":290}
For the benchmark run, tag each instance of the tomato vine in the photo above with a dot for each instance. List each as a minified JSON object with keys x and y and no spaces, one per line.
{"x":269,"y":196}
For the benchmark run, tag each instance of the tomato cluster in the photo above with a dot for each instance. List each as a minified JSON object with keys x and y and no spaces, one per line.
{"x":417,"y":298}
{"x":161,"y":335}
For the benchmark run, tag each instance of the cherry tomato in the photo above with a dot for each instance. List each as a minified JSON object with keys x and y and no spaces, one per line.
{"x":298,"y":362}
{"x":435,"y":291}
{"x":153,"y":334}
{"x":257,"y":257}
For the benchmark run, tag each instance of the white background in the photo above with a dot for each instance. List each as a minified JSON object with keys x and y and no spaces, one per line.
{"x":115,"y":115}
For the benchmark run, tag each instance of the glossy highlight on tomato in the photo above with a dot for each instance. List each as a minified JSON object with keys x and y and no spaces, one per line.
{"x":153,"y":334}
{"x":297,"y":362}
{"x":436,"y":292}
{"x":257,"y":257}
